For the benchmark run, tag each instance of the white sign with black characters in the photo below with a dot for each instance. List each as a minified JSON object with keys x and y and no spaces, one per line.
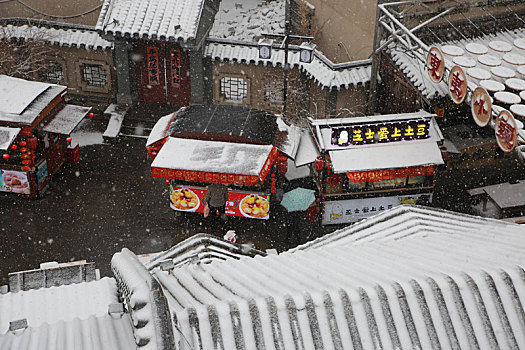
{"x":352,"y":210}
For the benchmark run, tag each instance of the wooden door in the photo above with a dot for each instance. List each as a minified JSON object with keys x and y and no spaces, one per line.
{"x":163,"y":74}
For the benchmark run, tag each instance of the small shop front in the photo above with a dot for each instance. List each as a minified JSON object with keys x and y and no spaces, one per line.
{"x":243,"y":148}
{"x":188,"y":166}
{"x":371,"y":164}
{"x":35,"y":125}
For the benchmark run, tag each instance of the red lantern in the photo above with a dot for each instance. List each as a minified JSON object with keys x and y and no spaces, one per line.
{"x":6,"y":156}
{"x":319,"y":163}
{"x":14,"y":146}
{"x":25,"y":168}
{"x":334,"y":180}
{"x":91,"y":115}
{"x":23,"y":143}
{"x":32,"y":142}
{"x":23,"y":150}
{"x":26,"y":162}
{"x":69,"y":139}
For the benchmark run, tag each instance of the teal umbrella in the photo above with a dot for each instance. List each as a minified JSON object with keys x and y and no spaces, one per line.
{"x":298,"y":199}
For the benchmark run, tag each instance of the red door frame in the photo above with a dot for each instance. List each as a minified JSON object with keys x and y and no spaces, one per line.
{"x":162,"y":57}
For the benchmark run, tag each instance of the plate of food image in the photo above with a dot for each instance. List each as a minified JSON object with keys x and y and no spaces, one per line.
{"x":184,"y":199}
{"x":254,"y":206}
{"x":15,"y":182}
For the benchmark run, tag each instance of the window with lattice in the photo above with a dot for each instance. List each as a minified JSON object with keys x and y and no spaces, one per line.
{"x":234,"y":89}
{"x":273,"y":92}
{"x":94,"y":75}
{"x":54,"y":73}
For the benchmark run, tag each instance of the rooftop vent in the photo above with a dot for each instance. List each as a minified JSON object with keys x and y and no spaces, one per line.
{"x":18,"y":325}
{"x":116,"y":309}
{"x":167,"y":265}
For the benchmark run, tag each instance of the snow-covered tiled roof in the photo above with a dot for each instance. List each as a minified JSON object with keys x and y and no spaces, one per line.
{"x":151,"y":19}
{"x":343,"y":76}
{"x":247,"y":20}
{"x":412,"y":63}
{"x":22,"y":101}
{"x":59,"y":317}
{"x":202,"y":248}
{"x":410,"y":277}
{"x":81,"y":38}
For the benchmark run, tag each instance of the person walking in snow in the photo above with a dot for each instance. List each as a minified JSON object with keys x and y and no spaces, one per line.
{"x":216,"y":197}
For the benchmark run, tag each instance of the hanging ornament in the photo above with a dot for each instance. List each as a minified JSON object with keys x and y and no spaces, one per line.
{"x":13,"y":146}
{"x":6,"y":156}
{"x":23,"y":150}
{"x":69,"y":139}
{"x":23,"y":143}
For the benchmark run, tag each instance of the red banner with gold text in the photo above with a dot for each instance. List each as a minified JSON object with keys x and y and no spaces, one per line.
{"x":389,"y":174}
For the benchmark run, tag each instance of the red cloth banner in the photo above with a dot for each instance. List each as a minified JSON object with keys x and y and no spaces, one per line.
{"x":389,"y":174}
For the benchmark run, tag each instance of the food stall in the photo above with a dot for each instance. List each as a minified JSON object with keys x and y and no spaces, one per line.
{"x":371,"y":164}
{"x":35,"y":124}
{"x":242,"y":148}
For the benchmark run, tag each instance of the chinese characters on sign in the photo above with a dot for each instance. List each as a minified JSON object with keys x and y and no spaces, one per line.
{"x":380,"y":133}
{"x":175,"y":67}
{"x":457,"y":85}
{"x":201,"y":176}
{"x":435,"y":64}
{"x":352,"y":210}
{"x":481,"y":107}
{"x":389,"y":174}
{"x":506,"y":131}
{"x":153,"y":66}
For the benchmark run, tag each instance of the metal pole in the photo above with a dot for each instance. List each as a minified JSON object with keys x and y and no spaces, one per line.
{"x":286,"y":34}
{"x":285,"y":83}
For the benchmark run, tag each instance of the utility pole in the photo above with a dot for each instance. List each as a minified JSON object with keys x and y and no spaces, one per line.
{"x":306,"y":50}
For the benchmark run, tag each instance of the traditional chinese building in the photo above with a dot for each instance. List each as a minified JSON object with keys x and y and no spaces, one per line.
{"x":158,"y":49}
{"x":464,"y":65}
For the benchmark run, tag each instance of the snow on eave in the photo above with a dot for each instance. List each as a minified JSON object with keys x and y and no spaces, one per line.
{"x":380,"y":227}
{"x":191,"y":246}
{"x":321,"y":70}
{"x":174,"y":20}
{"x":68,"y":37}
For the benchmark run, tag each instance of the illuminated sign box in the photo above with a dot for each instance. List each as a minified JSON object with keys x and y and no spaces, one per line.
{"x":364,"y":134}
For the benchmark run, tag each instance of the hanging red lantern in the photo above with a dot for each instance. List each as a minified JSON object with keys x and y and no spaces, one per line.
{"x":32,"y":142}
{"x":23,"y":150}
{"x":14,"y":146}
{"x":91,"y":115}
{"x":25,"y":167}
{"x":319,"y":163}
{"x":23,"y":144}
{"x":6,"y":156}
{"x":69,"y":139}
{"x":26,"y":162}
{"x":24,"y":156}
{"x":334,"y":180}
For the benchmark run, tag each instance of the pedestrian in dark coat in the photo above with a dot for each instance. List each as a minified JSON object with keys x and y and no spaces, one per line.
{"x":216,"y":197}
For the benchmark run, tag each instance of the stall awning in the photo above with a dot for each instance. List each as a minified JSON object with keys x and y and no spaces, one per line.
{"x":212,"y":161}
{"x":160,"y":130}
{"x":7,"y":136}
{"x":405,"y":154}
{"x":66,"y":120}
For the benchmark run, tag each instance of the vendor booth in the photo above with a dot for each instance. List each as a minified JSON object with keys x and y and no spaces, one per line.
{"x":35,"y":124}
{"x":371,"y":164}
{"x":242,"y":148}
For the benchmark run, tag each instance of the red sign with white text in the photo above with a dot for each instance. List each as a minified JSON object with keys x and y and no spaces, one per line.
{"x":242,"y":204}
